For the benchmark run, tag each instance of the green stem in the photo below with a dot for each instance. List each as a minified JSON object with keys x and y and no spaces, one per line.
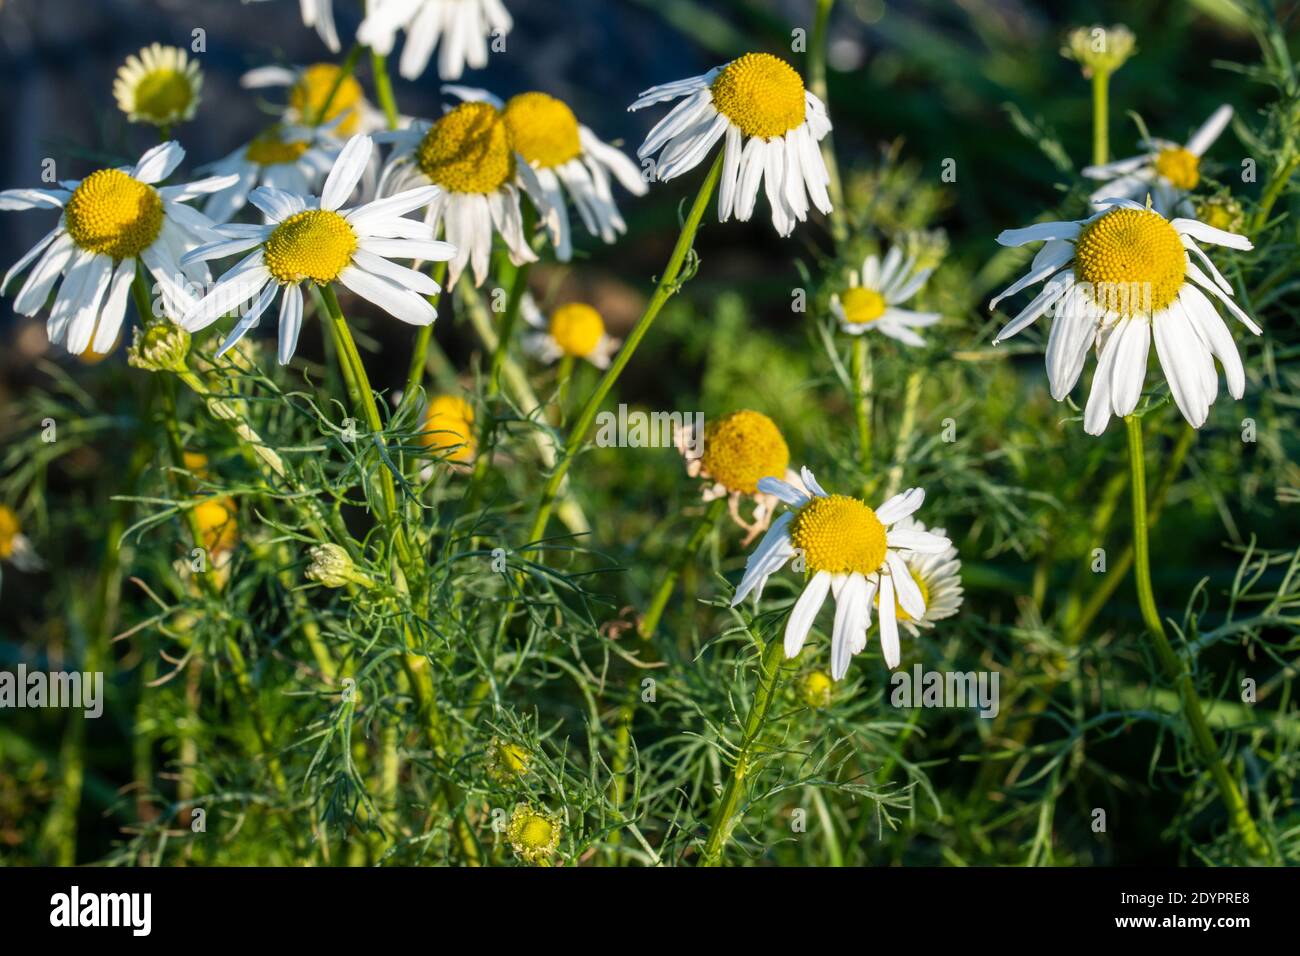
{"x":384,"y":88}
{"x":906,"y":428}
{"x":1271,"y":194}
{"x":363,"y":398}
{"x":1100,"y":117}
{"x":666,"y":288}
{"x":725,"y":816}
{"x":1175,"y":668}
{"x":647,"y":625}
{"x":817,"y":84}
{"x":861,"y":373}
{"x":423,"y":339}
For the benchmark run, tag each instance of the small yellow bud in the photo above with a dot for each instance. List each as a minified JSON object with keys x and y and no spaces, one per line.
{"x":815,"y":689}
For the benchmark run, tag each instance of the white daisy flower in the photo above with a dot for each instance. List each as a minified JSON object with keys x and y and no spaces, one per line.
{"x":574,"y":329}
{"x":462,"y":27}
{"x":111,"y":220}
{"x":468,"y":155}
{"x":319,"y":16}
{"x":874,"y":298}
{"x":291,"y":159}
{"x":1168,"y":171}
{"x":772,"y":127}
{"x":309,"y":89}
{"x":732,"y":454}
{"x":938,"y":576}
{"x":160,"y":86}
{"x":1115,"y":281}
{"x":310,"y":239}
{"x":560,"y":155}
{"x":849,"y":551}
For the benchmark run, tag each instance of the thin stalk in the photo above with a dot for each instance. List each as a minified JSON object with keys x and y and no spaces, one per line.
{"x":906,"y":428}
{"x":725,"y":816}
{"x":861,"y":373}
{"x":650,"y":621}
{"x":1271,"y":193}
{"x":1100,"y":117}
{"x":1174,"y":666}
{"x":346,"y":69}
{"x":384,"y":88}
{"x":423,"y":339}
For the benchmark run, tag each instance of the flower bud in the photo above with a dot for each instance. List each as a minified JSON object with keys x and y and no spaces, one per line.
{"x":1100,"y":49}
{"x":161,"y":348}
{"x":332,"y":566}
{"x":815,"y":689}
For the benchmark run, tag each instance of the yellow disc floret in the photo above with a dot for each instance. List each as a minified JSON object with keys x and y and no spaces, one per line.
{"x":468,"y":150}
{"x":10,"y":530}
{"x":314,"y":244}
{"x":1131,"y":261}
{"x":862,"y":305}
{"x":312,"y":91}
{"x":1181,"y":167}
{"x":533,"y":834}
{"x":577,"y":329}
{"x":743,"y":447}
{"x":271,"y":149}
{"x":544,"y":129}
{"x":924,"y":588}
{"x":839,"y":535}
{"x":449,"y":425}
{"x":163,"y":95}
{"x":113,"y":214}
{"x":761,"y":94}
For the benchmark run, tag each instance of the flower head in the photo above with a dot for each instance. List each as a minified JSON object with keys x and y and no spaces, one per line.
{"x":937,"y":577}
{"x":506,"y":761}
{"x":850,"y":550}
{"x":449,"y":427}
{"x":160,"y":86}
{"x":575,"y":330}
{"x":815,"y":689}
{"x":109,"y":222}
{"x":1114,"y":282}
{"x":459,"y":28}
{"x":319,"y":95}
{"x":14,"y":545}
{"x":294,"y":159}
{"x":733,"y":454}
{"x":318,"y":240}
{"x":159,"y":348}
{"x":533,"y":834}
{"x":771,"y":124}
{"x":1167,"y":171}
{"x":1100,"y":49}
{"x":874,"y":299}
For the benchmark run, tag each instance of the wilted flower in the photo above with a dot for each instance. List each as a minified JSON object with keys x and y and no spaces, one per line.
{"x":332,"y":566}
{"x":533,"y":834}
{"x":1098,"y":49}
{"x":159,"y":348}
{"x":506,"y":762}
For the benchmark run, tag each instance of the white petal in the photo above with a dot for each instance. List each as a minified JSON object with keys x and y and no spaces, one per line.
{"x":159,"y":163}
{"x":910,"y":597}
{"x":290,"y":322}
{"x":1039,"y":232}
{"x":900,"y":506}
{"x":1210,"y":130}
{"x":889,"y":623}
{"x":805,"y":611}
{"x":346,"y":173}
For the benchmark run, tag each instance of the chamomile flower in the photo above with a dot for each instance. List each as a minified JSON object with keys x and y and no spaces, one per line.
{"x":449,"y":428}
{"x":874,"y":299}
{"x":1167,"y":171}
{"x":1117,"y":280}
{"x":159,"y":86}
{"x":771,"y":125}
{"x":559,"y":156}
{"x":533,"y":834}
{"x":732,"y":454}
{"x":319,"y":16}
{"x":459,"y":28}
{"x":309,"y":239}
{"x":574,"y":329}
{"x":291,"y":159}
{"x":15,"y":547}
{"x":310,"y":103}
{"x":851,"y":552}
{"x":110,"y":221}
{"x":937,"y":576}
{"x":468,"y":155}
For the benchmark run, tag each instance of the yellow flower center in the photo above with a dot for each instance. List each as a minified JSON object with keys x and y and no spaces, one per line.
{"x":1131,"y":261}
{"x":216,"y":520}
{"x":899,"y":613}
{"x":313,"y":89}
{"x":314,"y":244}
{"x":270,"y":150}
{"x":743,"y":447}
{"x":577,"y":329}
{"x":163,"y":95}
{"x":536,"y":832}
{"x":468,"y":150}
{"x":761,"y":94}
{"x":449,"y":424}
{"x":10,"y":529}
{"x":816,"y":689}
{"x":862,"y":305}
{"x":544,"y":129}
{"x":1180,"y":167}
{"x":839,"y":535}
{"x":113,"y":214}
